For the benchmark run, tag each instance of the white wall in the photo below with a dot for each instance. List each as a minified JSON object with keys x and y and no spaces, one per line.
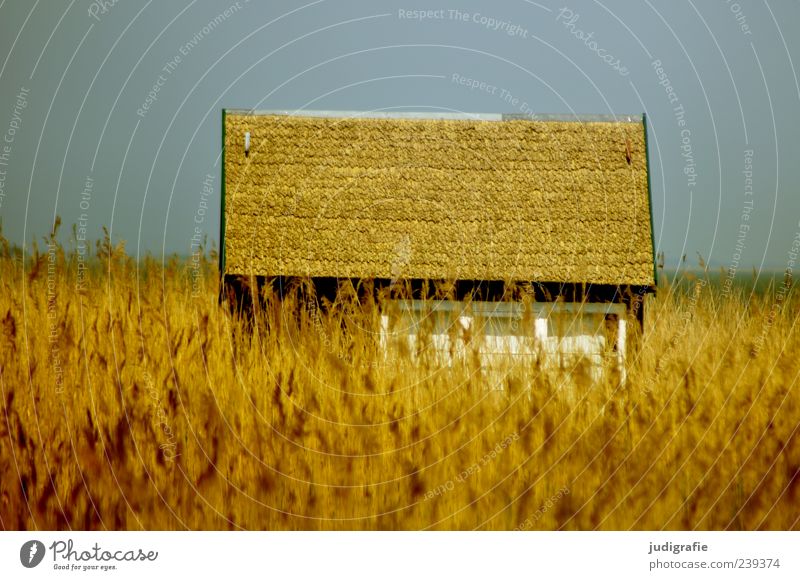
{"x":506,"y":334}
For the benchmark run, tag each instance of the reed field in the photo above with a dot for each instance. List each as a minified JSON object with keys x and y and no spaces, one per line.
{"x":132,"y":399}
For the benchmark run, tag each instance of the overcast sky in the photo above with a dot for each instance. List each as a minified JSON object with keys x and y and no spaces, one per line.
{"x":80,"y":135}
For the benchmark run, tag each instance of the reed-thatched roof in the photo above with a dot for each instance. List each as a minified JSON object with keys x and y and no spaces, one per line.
{"x":470,"y":199}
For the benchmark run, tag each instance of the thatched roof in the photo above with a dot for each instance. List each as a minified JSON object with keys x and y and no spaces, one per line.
{"x":456,"y":198}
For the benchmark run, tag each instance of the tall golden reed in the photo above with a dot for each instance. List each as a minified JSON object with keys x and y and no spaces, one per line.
{"x":136,"y":402}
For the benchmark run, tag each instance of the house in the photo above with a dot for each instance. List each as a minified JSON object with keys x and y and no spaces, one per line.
{"x":541,"y":226}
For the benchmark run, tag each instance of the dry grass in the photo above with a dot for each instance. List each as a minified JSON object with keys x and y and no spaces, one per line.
{"x":170,"y":413}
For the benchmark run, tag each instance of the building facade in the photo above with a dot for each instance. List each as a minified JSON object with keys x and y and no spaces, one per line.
{"x":541,"y":225}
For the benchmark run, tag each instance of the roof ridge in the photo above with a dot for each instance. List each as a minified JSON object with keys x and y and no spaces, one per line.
{"x":440,"y":115}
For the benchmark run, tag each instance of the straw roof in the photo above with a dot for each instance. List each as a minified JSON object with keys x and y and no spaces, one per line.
{"x":549,"y":201}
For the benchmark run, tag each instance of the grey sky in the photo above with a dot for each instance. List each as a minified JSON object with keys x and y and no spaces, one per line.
{"x":732,"y":66}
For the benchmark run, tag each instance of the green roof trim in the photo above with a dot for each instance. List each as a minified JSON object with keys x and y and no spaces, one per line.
{"x":222,"y":204}
{"x":650,"y":199}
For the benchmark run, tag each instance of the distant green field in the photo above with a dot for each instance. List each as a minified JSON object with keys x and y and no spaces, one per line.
{"x":744,"y":281}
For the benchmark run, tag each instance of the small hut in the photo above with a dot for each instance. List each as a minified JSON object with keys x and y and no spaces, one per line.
{"x":541,"y":225}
